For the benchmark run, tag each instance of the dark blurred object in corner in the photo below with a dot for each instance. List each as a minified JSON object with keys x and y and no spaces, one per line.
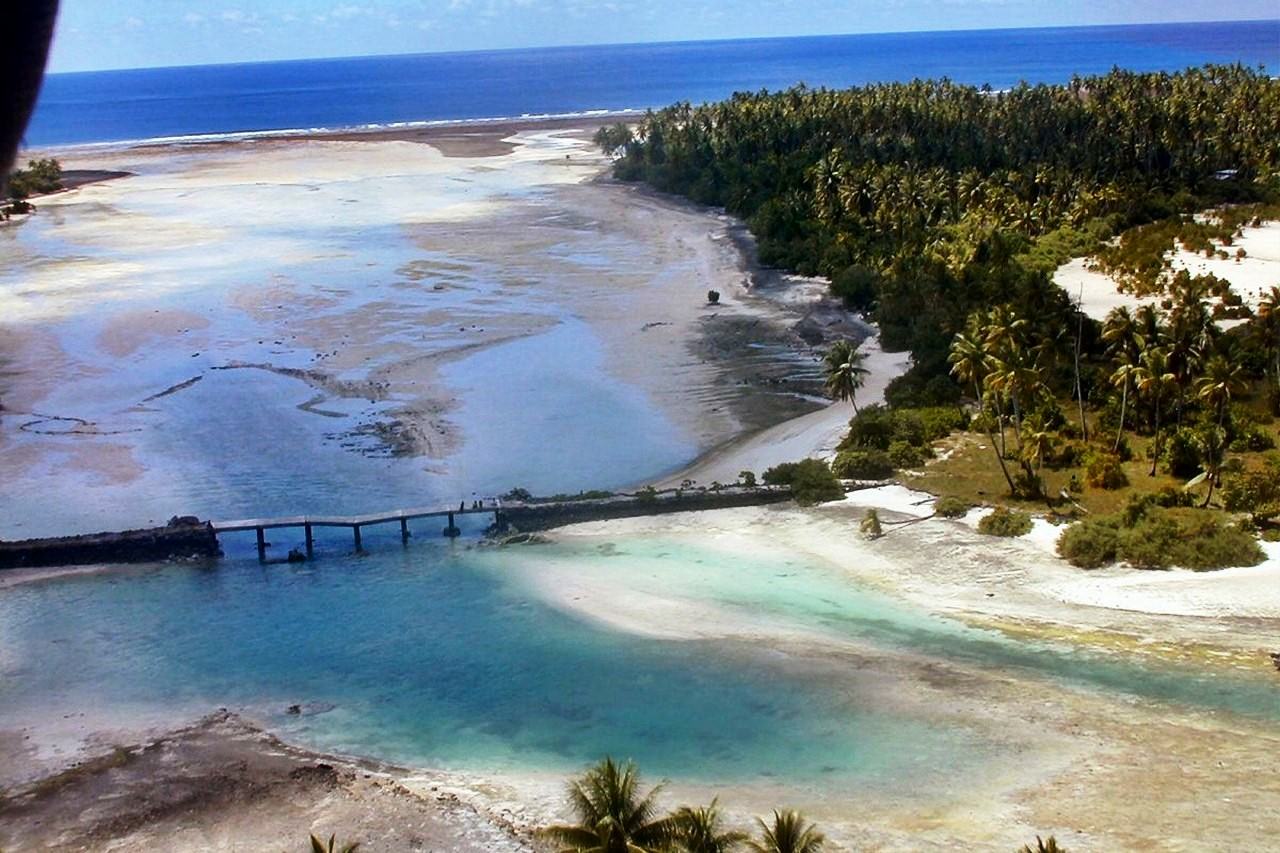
{"x":26,"y":28}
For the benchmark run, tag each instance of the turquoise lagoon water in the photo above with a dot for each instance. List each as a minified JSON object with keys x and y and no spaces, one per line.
{"x":444,"y":654}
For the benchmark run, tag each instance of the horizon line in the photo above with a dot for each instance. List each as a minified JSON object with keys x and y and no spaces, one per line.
{"x":579,"y":46}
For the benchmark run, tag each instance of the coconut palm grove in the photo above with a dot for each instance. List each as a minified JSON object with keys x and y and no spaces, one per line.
{"x":943,"y":210}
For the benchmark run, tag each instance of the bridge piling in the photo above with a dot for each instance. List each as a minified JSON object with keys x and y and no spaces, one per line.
{"x":310,"y":539}
{"x":262,"y":545}
{"x":355,"y":529}
{"x":404,"y":529}
{"x":452,"y":530}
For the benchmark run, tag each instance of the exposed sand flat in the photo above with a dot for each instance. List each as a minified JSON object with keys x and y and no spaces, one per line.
{"x":812,"y":435}
{"x":370,"y":275}
{"x":947,"y":567}
{"x":1250,"y":277}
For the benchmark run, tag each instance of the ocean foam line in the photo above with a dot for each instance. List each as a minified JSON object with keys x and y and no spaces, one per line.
{"x":285,"y":133}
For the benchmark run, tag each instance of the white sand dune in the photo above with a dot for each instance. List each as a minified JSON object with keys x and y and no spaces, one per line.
{"x":1250,"y":277}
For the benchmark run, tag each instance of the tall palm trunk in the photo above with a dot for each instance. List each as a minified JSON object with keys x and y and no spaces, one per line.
{"x":1000,"y":421}
{"x":1004,"y":469}
{"x":1209,"y":495}
{"x":1155,"y":440}
{"x":1084,"y":426}
{"x":1124,"y":404}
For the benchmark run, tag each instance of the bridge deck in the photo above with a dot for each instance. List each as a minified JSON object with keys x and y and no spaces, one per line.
{"x":343,"y":520}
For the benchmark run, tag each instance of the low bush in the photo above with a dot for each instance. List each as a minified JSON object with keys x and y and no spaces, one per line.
{"x":1181,"y":454}
{"x":1149,"y":537}
{"x":811,"y":481}
{"x":871,"y":428}
{"x":952,"y":507}
{"x":1215,"y":545}
{"x":870,"y":526}
{"x":747,"y":478}
{"x":903,"y":455}
{"x":1104,"y":471}
{"x":1252,"y":439}
{"x":1172,"y":496}
{"x":1151,"y":542}
{"x":861,"y":465}
{"x":1005,"y":522}
{"x":877,"y":427}
{"x":1089,"y":544}
{"x":1254,"y":492}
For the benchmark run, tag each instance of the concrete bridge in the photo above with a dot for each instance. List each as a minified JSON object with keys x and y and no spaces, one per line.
{"x":355,"y":523}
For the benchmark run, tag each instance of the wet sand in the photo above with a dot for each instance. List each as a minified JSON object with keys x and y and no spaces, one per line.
{"x":180,"y":284}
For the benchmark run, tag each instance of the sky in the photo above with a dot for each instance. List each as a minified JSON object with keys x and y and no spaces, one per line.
{"x":101,"y":34}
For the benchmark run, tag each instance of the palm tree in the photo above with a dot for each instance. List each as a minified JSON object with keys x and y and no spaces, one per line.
{"x":1212,"y":443}
{"x":612,"y":815}
{"x":318,"y":845}
{"x":1152,"y":378}
{"x":1123,"y":376}
{"x":1266,"y":328}
{"x":1222,"y":380}
{"x":1039,"y":443}
{"x":1048,"y":845}
{"x":788,"y":834}
{"x":702,"y":830}
{"x":845,"y":373}
{"x":968,"y":358}
{"x":1125,"y":335}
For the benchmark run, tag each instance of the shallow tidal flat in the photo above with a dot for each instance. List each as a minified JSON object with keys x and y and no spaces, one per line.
{"x":320,"y":326}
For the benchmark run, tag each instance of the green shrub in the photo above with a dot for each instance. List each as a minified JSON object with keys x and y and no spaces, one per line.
{"x":1089,"y":544}
{"x":870,"y":526}
{"x":861,"y":465}
{"x":1104,"y":471}
{"x":940,"y":421}
{"x":871,"y":428}
{"x":1252,"y":439}
{"x":877,"y":427}
{"x":903,"y":455}
{"x":952,"y":507}
{"x":857,"y":285}
{"x":1173,"y":496}
{"x":1254,"y":492}
{"x":1005,"y":522}
{"x":1069,"y":454}
{"x":647,"y":495}
{"x":811,"y":481}
{"x":1214,"y":545}
{"x":747,"y":478}
{"x":1151,"y":542}
{"x":1157,"y":540}
{"x":1181,"y":454}
{"x":781,"y":474}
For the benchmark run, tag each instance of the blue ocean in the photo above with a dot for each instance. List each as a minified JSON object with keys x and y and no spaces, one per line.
{"x":115,"y":106}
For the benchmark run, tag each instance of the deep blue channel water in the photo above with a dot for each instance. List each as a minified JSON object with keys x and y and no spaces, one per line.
{"x":105,"y":106}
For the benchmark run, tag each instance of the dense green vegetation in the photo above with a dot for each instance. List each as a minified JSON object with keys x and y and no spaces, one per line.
{"x":1147,"y":536}
{"x":925,"y":201}
{"x":942,"y":210}
{"x":40,"y":176}
{"x":811,"y":481}
{"x":1003,"y":521}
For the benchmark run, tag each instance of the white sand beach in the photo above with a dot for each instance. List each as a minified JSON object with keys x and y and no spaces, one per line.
{"x":1250,"y":277}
